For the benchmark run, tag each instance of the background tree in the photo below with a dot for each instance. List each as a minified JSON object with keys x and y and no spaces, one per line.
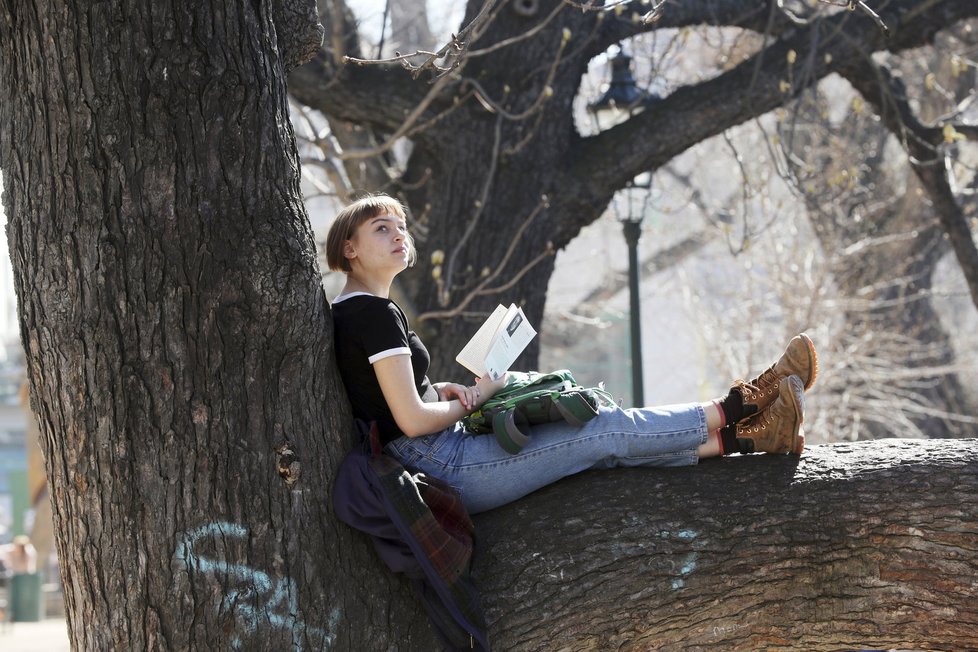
{"x":826,"y":169}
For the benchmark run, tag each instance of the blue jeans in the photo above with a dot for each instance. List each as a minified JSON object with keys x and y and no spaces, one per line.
{"x":486,"y":476}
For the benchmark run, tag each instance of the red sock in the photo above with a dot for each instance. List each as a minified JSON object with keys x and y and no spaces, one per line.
{"x":723,"y":414}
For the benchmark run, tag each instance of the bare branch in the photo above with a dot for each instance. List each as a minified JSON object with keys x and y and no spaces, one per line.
{"x":482,"y":288}
{"x":407,"y":126}
{"x":754,"y":87}
{"x":852,"y":5}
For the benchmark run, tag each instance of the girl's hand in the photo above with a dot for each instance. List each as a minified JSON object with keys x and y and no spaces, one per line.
{"x":467,"y":396}
{"x":489,"y":387}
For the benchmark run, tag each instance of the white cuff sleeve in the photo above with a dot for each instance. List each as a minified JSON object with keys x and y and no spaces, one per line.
{"x":403,"y":350}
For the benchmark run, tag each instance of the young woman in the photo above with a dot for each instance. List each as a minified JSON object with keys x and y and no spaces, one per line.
{"x":384,"y":365}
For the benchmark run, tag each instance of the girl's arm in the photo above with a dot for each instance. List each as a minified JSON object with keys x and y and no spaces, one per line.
{"x":413,"y":416}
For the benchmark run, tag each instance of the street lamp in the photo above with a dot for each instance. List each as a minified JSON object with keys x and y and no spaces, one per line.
{"x":622,"y":99}
{"x":631,"y":223}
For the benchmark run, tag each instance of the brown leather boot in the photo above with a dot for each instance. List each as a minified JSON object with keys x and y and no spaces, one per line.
{"x":778,"y":428}
{"x":799,"y":359}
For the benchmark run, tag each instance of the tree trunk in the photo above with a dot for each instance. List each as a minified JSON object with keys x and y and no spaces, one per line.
{"x":851,"y":546}
{"x":893,"y":335}
{"x":178,"y":341}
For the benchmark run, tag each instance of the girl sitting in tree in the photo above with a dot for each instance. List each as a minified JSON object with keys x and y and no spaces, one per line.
{"x":384,"y":367}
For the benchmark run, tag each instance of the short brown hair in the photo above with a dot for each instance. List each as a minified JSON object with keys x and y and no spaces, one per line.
{"x":349,"y":220}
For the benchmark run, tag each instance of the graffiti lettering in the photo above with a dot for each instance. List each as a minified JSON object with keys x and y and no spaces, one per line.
{"x":256,"y":598}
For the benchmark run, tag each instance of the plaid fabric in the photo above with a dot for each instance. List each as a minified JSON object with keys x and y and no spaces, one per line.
{"x":419,"y":527}
{"x":434,"y":513}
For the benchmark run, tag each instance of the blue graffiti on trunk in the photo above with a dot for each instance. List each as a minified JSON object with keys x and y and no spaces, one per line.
{"x":257,"y":598}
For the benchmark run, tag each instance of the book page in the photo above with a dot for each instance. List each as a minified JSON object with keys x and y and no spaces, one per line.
{"x":512,"y":336}
{"x":473,"y":355}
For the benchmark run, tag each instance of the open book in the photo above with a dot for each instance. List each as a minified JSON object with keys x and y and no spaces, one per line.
{"x":497,"y":343}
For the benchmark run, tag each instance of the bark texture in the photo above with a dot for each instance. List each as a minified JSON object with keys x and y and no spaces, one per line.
{"x":852,"y":546}
{"x":177,"y":338}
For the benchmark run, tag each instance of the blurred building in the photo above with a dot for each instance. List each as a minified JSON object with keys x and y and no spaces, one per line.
{"x":22,"y":481}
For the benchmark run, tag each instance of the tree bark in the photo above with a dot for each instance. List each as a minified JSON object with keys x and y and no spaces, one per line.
{"x":851,"y":546}
{"x":178,"y":341}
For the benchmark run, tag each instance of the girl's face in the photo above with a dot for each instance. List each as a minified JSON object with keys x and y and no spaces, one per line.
{"x":380,"y":243}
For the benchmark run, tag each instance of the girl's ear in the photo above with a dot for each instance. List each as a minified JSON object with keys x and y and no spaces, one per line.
{"x":348,"y":251}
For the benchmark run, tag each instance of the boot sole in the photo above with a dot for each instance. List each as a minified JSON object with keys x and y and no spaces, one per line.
{"x":798,"y":405}
{"x":812,"y":359}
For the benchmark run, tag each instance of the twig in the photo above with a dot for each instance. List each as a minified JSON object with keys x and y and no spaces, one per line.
{"x":852,"y":5}
{"x":402,"y":59}
{"x":473,"y":29}
{"x":479,"y":289}
{"x":455,"y":312}
{"x":405,"y":126}
{"x":383,"y":27}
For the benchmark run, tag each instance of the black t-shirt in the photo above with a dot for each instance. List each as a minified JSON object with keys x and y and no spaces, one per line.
{"x":367,"y":329}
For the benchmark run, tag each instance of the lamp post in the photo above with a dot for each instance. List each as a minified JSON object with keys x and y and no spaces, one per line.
{"x":620,"y":100}
{"x":632,"y":227}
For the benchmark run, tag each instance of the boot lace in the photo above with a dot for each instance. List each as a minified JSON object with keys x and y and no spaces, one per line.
{"x":747,"y":390}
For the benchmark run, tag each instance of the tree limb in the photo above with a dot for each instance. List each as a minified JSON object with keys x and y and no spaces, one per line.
{"x":850,"y":546}
{"x":758,"y":15}
{"x":690,"y":114}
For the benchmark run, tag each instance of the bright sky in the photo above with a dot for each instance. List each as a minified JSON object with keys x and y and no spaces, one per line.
{"x":443,"y":16}
{"x":9,"y":330}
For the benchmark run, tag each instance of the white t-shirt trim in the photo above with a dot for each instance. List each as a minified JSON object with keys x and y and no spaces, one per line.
{"x":344,"y":297}
{"x":401,"y":350}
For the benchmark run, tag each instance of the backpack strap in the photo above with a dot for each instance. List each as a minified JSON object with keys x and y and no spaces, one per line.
{"x":575,"y":409}
{"x":507,"y":433}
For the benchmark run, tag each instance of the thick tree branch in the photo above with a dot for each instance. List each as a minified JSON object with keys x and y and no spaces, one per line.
{"x":369,"y":95}
{"x":350,"y":92}
{"x":760,"y":16}
{"x":378,"y":96}
{"x":691,"y":114}
{"x":850,"y":546}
